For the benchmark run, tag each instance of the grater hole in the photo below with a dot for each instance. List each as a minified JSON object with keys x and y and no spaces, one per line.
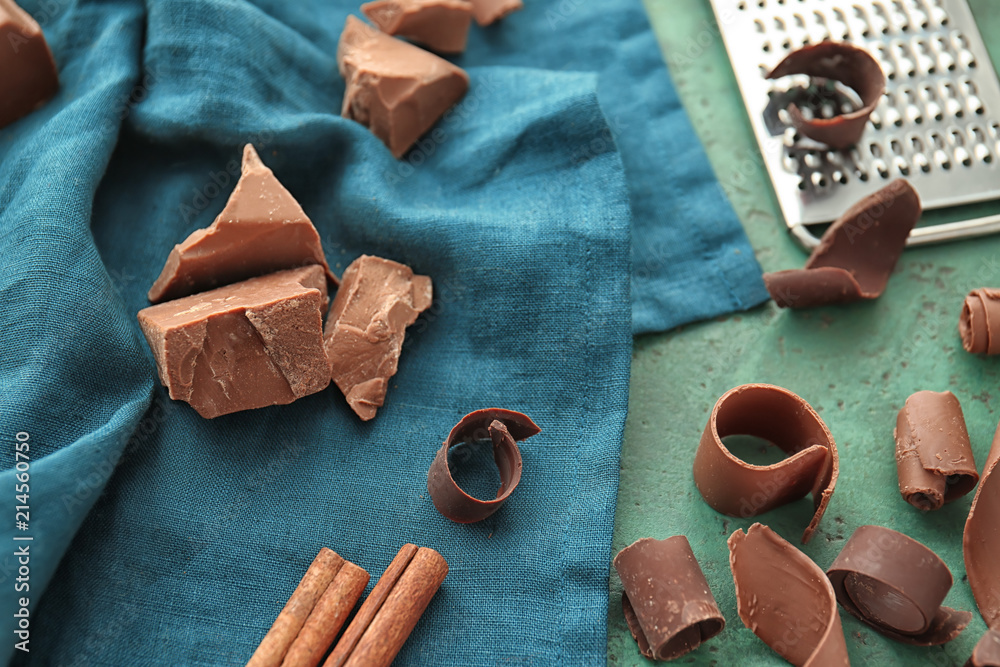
{"x":742,"y":6}
{"x":980,"y":111}
{"x":863,"y":177}
{"x":987,"y":158}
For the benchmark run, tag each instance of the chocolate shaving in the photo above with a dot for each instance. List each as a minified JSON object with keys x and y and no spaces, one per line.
{"x":785,"y":599}
{"x":980,"y":321}
{"x":896,"y":585}
{"x":439,"y":25}
{"x":734,"y":487}
{"x":28,"y":77}
{"x":666,"y":599}
{"x":856,"y":254}
{"x":851,"y":66}
{"x":503,"y":427}
{"x":987,"y":651}
{"x":490,"y":11}
{"x":981,"y":541}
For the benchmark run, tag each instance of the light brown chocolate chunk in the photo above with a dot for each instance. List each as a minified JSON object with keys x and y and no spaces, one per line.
{"x":377,"y":300}
{"x":262,"y":229}
{"x":247,"y":345}
{"x":490,"y":11}
{"x":395,"y":89}
{"x":981,"y":540}
{"x":28,"y":77}
{"x":979,"y":324}
{"x":439,"y":25}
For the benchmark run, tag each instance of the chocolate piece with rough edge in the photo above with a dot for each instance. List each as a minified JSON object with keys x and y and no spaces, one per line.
{"x":503,"y":428}
{"x":439,"y":25}
{"x":979,"y":324}
{"x":247,"y":345}
{"x":987,"y":651}
{"x":933,"y":453}
{"x":785,"y":599}
{"x":734,"y":487}
{"x":395,"y":89}
{"x":856,"y":254}
{"x":28,"y":77}
{"x":666,"y":599}
{"x":262,"y":229}
{"x":981,"y":539}
{"x":491,"y":11}
{"x":377,"y":300}
{"x":851,"y":66}
{"x":896,"y":585}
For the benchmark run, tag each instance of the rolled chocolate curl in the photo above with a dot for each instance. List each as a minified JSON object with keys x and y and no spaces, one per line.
{"x":734,"y":487}
{"x":933,"y":453}
{"x":785,"y":599}
{"x":981,"y":540}
{"x":503,"y":427}
{"x":987,"y":651}
{"x":28,"y":75}
{"x":666,"y":599}
{"x":391,"y":611}
{"x":979,"y":324}
{"x":896,"y":585}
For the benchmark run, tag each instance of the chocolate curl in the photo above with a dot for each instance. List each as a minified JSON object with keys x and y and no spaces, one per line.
{"x":439,"y":25}
{"x":981,"y":540}
{"x":856,"y":254}
{"x":503,"y":427}
{"x":933,"y":452}
{"x":734,"y":487}
{"x":979,"y":322}
{"x":851,"y":66}
{"x":987,"y":651}
{"x":666,"y":599}
{"x":785,"y":599}
{"x":28,"y":75}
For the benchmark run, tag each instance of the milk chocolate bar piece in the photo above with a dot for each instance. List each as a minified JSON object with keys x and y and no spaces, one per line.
{"x":666,"y":599}
{"x":981,"y":540}
{"x":837,"y":61}
{"x":896,"y":585}
{"x":490,"y":11}
{"x":395,"y":89}
{"x":247,"y":345}
{"x":439,"y":25}
{"x":987,"y":651}
{"x":377,"y":300}
{"x":262,"y":229}
{"x":734,"y":487}
{"x":979,"y":324}
{"x":28,"y":77}
{"x":933,"y":452}
{"x":856,"y":255}
{"x":785,"y":599}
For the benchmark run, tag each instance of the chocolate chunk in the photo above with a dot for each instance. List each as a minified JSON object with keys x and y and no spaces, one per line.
{"x":981,"y":541}
{"x":979,"y":323}
{"x":734,"y":487}
{"x":247,"y":345}
{"x":856,"y":254}
{"x":262,"y":229}
{"x":851,"y":66}
{"x":896,"y":585}
{"x":933,"y":452}
{"x":490,"y":11}
{"x":28,"y":77}
{"x":439,"y":25}
{"x":395,"y":89}
{"x":377,"y":300}
{"x":785,"y":599}
{"x":503,"y":428}
{"x":987,"y":651}
{"x":666,"y":599}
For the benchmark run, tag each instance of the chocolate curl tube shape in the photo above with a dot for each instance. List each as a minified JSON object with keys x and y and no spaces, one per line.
{"x":979,"y":324}
{"x":987,"y":651}
{"x":981,"y":541}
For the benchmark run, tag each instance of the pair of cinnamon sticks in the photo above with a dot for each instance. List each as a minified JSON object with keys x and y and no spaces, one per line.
{"x":321,"y":603}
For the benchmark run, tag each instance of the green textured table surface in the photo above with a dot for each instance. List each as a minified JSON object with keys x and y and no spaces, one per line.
{"x":855,"y":364}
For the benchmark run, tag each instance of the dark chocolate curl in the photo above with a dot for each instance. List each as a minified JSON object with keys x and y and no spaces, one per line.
{"x":851,"y":66}
{"x":28,"y":77}
{"x":856,"y":255}
{"x":981,"y":541}
{"x":666,"y":599}
{"x":987,"y":651}
{"x":896,"y":585}
{"x":785,"y":599}
{"x":734,"y":487}
{"x":979,"y":324}
{"x":933,"y":452}
{"x":503,"y":428}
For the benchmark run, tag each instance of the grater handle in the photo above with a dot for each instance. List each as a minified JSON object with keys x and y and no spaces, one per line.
{"x":952,"y":231}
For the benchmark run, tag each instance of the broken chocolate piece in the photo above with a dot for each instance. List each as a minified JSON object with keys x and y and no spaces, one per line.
{"x":981,"y":541}
{"x":247,"y":345}
{"x":377,"y":300}
{"x":856,"y":254}
{"x":987,"y":651}
{"x":666,"y":599}
{"x":896,"y":585}
{"x":439,"y":25}
{"x":785,"y":599}
{"x":490,"y":11}
{"x":262,"y":229}
{"x":734,"y":487}
{"x":851,"y":66}
{"x":28,"y":77}
{"x":395,"y":89}
{"x":503,"y":427}
{"x":933,"y":452}
{"x":979,"y":324}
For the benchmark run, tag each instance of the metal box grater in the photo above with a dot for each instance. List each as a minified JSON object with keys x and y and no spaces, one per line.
{"x":937,"y":124}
